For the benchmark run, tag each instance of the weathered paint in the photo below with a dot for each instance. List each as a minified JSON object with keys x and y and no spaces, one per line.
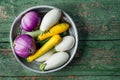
{"x":98,"y":54}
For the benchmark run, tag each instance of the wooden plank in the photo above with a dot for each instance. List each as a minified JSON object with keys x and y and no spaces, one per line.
{"x":91,"y":18}
{"x":63,"y":78}
{"x":92,"y":58}
{"x":5,"y":46}
{"x":96,"y":20}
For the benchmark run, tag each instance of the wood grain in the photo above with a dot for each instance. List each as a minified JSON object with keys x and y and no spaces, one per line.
{"x":98,"y":54}
{"x":63,"y":78}
{"x":91,"y":18}
{"x":92,"y":58}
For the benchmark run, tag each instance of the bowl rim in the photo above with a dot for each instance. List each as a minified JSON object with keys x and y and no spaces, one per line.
{"x":74,"y":28}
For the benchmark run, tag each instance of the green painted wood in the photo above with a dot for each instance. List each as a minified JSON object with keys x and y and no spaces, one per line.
{"x":95,"y":20}
{"x":63,"y":78}
{"x":98,"y":54}
{"x":92,"y":58}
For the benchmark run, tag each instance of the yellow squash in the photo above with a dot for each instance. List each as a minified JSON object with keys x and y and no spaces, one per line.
{"x":54,"y":40}
{"x":57,"y":29}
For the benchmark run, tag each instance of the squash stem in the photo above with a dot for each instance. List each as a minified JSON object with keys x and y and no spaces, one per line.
{"x":42,"y":66}
{"x":27,"y":59}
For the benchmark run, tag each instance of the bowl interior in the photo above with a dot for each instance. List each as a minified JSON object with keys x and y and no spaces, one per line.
{"x":16,"y":30}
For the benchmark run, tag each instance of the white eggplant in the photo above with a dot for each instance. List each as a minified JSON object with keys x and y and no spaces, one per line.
{"x":50,"y":19}
{"x":55,"y":61}
{"x":66,"y":44}
{"x":45,"y":56}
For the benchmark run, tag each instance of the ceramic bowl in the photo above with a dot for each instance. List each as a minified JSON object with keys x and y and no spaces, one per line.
{"x":16,"y":30}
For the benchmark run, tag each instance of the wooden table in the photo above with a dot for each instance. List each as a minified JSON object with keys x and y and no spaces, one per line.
{"x":98,"y":54}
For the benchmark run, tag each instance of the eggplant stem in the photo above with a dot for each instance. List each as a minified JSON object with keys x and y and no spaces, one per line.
{"x":42,"y":66}
{"x":54,"y":50}
{"x":41,"y":32}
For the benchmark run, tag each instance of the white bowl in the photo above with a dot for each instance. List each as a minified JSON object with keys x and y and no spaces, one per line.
{"x":16,"y":30}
